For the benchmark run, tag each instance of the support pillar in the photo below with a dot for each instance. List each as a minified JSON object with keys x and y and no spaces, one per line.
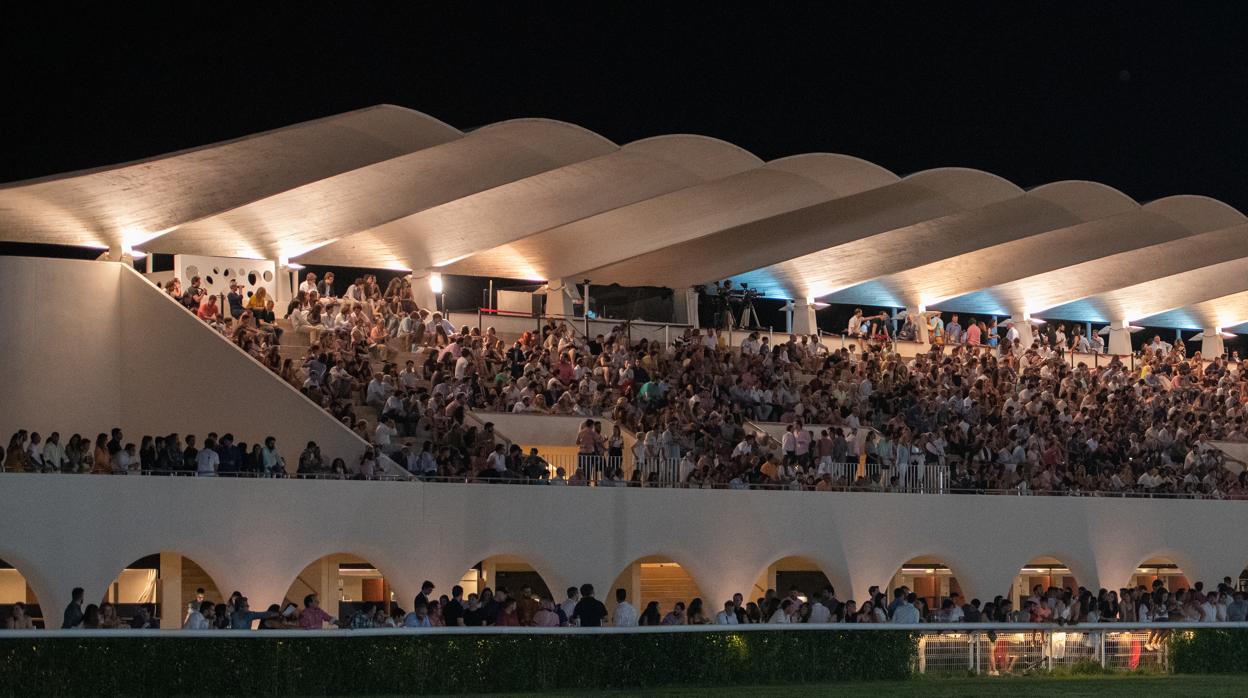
{"x":172,"y":605}
{"x":1212,"y":346}
{"x":424,"y":293}
{"x":918,"y":318}
{"x":803,"y":314}
{"x":1022,"y":323}
{"x":560,"y":297}
{"x":685,"y":306}
{"x":284,"y":285}
{"x":1119,"y":337}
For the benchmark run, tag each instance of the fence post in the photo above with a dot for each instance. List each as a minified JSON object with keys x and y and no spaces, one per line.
{"x":974,"y":664}
{"x":1101,"y":648}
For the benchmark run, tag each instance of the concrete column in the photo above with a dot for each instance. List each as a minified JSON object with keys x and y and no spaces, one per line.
{"x":423,"y":294}
{"x":919,"y":319}
{"x":489,"y":568}
{"x":685,"y":304}
{"x":172,"y":605}
{"x":804,"y":318}
{"x":1119,"y":337}
{"x":560,"y":296}
{"x":283,"y":287}
{"x":1212,"y":346}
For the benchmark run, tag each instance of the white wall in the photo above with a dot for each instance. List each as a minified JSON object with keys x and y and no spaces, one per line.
{"x":257,"y":535}
{"x":182,"y":377}
{"x":60,"y":346}
{"x":216,"y":273}
{"x":88,"y":346}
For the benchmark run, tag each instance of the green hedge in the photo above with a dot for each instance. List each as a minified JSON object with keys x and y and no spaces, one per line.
{"x":1209,"y":651}
{"x":433,"y":663}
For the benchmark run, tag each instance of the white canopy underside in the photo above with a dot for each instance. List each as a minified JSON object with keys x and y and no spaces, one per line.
{"x":388,"y":187}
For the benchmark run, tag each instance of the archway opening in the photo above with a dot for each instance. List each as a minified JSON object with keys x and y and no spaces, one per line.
{"x":157,"y":590}
{"x":1042,"y":577}
{"x":17,"y":595}
{"x":658,"y":580}
{"x":930,"y":580}
{"x":498,"y":574}
{"x":788,"y":574}
{"x":1160,"y":569}
{"x":344,"y":584}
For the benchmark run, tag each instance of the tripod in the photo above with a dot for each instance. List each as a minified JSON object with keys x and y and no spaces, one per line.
{"x":747,"y":313}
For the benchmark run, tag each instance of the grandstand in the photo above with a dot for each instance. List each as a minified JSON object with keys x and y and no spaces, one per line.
{"x":905,"y":450}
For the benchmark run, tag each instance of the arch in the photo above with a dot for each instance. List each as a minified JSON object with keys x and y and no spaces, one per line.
{"x":1045,"y":572}
{"x":506,"y":571}
{"x":163,"y":584}
{"x":965,"y":186}
{"x":1164,"y":567}
{"x":1076,"y":566}
{"x":516,"y":556}
{"x":706,"y":157}
{"x":842,"y":175}
{"x":551,"y":137}
{"x":343,"y":582}
{"x":929,"y":578}
{"x":809,"y":573}
{"x":1197,"y":213}
{"x":15,"y":589}
{"x":1087,"y":200}
{"x":661,"y":579}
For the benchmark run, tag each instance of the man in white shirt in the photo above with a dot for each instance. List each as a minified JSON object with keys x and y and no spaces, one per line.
{"x":728,"y":616}
{"x":207,"y":460}
{"x":309,"y":284}
{"x":497,"y":460}
{"x":1011,"y":335}
{"x":569,"y":604}
{"x":625,"y":615}
{"x":819,"y":611}
{"x":383,"y":434}
{"x":462,"y":364}
{"x":379,"y":388}
{"x":53,"y":453}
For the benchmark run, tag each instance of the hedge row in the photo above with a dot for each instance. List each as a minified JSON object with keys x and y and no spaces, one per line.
{"x":433,"y":663}
{"x":1209,"y":651}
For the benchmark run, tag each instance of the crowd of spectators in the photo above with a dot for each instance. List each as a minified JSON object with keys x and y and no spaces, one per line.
{"x":992,"y":414}
{"x":498,"y":607}
{"x":171,"y":454}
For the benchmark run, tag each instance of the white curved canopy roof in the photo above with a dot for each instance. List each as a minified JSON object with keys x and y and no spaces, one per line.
{"x":125,"y":205}
{"x":388,"y":187}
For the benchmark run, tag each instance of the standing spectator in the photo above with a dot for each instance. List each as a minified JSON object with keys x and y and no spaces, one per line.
{"x":74,"y":611}
{"x":589,"y":611}
{"x":207,"y":459}
{"x":625,"y":615}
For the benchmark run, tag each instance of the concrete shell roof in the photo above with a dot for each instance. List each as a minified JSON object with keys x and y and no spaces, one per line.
{"x":389,"y":187}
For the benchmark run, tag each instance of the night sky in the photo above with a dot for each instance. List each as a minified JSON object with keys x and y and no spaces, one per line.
{"x":1151,"y":99}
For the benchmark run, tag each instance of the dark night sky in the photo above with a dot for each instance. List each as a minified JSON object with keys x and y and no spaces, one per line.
{"x":1035,"y":92}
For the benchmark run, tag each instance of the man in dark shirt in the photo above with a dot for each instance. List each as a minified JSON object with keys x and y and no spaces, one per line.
{"x":453,"y":614}
{"x":190,"y":454}
{"x":473,"y":616}
{"x":589,"y":611}
{"x":73,"y":612}
{"x":426,"y":591}
{"x":230,"y":458}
